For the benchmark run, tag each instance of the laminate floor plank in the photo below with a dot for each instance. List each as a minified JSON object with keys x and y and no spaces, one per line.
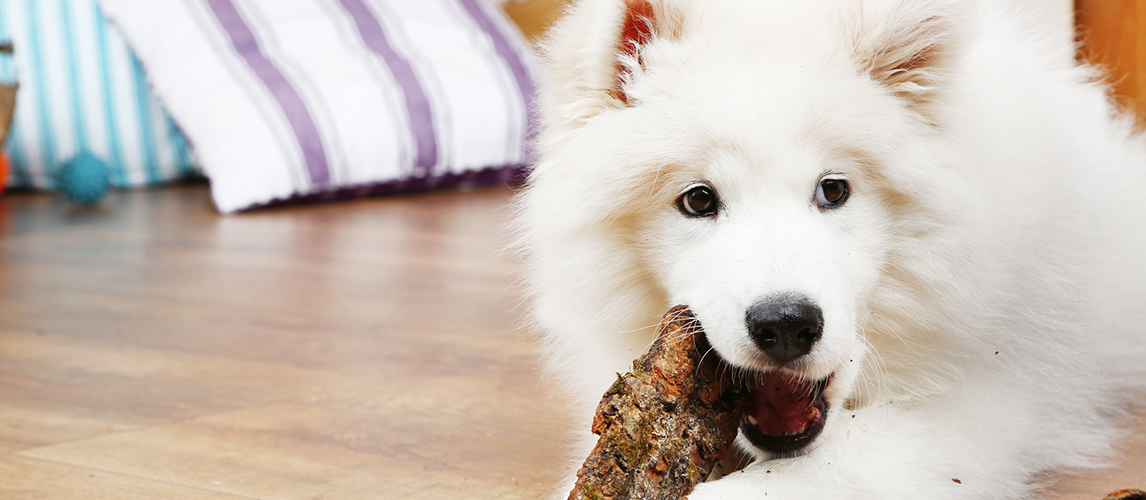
{"x":292,"y":451}
{"x":29,"y":479}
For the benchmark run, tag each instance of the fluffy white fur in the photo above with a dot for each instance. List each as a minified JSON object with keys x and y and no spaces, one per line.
{"x":983,"y":288}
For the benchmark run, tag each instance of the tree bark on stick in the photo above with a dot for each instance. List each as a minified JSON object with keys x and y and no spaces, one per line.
{"x":666,"y":424}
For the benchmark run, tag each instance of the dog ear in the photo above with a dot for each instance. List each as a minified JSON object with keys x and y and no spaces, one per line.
{"x":596,"y":51}
{"x":638,"y":26}
{"x":908,"y":46}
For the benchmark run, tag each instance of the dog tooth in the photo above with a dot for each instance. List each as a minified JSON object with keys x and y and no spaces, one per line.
{"x":751,"y":420}
{"x":813,"y":413}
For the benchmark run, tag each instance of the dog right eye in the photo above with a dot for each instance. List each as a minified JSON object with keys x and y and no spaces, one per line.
{"x":699,"y":201}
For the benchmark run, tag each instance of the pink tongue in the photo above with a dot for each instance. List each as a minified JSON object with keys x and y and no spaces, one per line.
{"x":782,"y":404}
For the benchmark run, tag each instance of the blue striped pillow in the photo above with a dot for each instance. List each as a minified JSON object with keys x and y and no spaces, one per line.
{"x":81,"y":89}
{"x":317,"y":99}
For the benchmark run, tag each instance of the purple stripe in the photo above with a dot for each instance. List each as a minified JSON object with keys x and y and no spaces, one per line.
{"x":512,"y":59}
{"x":417,"y":104}
{"x":288,"y":98}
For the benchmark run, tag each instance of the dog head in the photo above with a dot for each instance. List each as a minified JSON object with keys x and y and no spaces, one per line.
{"x":751,"y":160}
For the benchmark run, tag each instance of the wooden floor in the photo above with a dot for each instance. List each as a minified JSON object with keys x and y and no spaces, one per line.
{"x":153,"y":349}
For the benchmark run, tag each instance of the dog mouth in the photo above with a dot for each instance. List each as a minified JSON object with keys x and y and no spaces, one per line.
{"x":784,"y":412}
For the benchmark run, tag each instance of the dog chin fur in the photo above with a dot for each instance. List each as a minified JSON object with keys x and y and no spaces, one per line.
{"x":981,"y":288}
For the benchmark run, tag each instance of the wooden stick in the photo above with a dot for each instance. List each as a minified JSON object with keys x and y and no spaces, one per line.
{"x":1127,"y":495}
{"x":666,"y":424}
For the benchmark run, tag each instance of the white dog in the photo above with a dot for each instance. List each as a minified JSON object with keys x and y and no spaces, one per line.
{"x":922,"y":213}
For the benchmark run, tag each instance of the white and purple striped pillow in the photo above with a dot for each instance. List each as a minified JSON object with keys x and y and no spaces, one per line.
{"x":290,"y":99}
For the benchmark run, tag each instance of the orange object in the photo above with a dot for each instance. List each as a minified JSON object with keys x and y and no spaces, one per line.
{"x":5,"y":169}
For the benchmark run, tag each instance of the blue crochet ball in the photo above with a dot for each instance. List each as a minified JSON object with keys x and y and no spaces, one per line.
{"x":84,"y":179}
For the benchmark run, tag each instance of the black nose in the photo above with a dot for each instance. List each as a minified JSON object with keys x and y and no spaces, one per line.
{"x":785,"y":326}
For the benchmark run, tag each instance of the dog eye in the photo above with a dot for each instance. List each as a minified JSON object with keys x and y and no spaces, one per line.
{"x":699,"y":201}
{"x":832,"y":193}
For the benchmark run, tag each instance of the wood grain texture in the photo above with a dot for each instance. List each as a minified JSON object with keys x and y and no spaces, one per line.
{"x":1113,"y":35}
{"x":363,"y":349}
{"x":153,"y":349}
{"x":535,"y":16}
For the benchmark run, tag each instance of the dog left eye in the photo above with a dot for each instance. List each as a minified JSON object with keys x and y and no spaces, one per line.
{"x":699,"y":201}
{"x":832,"y":193}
